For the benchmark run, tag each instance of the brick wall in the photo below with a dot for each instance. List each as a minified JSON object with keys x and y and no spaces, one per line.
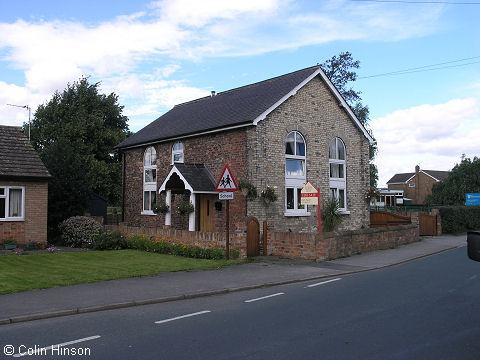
{"x":329,"y":246}
{"x":315,"y":113}
{"x":194,"y":238}
{"x":34,"y":227}
{"x":214,"y":151}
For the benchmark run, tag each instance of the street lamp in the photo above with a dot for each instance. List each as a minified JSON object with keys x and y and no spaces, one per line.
{"x":29,"y":112}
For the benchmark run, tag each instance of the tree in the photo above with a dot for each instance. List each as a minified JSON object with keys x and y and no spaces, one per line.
{"x":340,"y":70}
{"x":464,"y":178}
{"x":74,"y":134}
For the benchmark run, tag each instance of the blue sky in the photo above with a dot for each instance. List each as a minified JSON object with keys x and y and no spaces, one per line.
{"x":154,"y":54}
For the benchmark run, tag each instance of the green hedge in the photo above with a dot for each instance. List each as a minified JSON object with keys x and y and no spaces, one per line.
{"x":457,"y":219}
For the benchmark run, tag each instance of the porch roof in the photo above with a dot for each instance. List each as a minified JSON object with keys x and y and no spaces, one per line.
{"x":195,"y":177}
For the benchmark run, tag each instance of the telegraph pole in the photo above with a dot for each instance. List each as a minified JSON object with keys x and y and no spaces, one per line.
{"x":29,"y":113}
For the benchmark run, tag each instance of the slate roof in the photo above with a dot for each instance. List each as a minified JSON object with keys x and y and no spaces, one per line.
{"x":236,"y":107}
{"x":400,"y":178}
{"x":437,"y":174}
{"x":18,"y":159}
{"x":404,"y":177}
{"x":197,"y":176}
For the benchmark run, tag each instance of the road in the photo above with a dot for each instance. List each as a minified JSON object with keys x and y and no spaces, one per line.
{"x":424,"y":309}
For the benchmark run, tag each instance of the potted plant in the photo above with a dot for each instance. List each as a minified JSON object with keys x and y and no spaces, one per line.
{"x":161,"y":207}
{"x":10,"y":243}
{"x":268,"y":195}
{"x":185,"y":207}
{"x":331,"y":216}
{"x":248,"y":189}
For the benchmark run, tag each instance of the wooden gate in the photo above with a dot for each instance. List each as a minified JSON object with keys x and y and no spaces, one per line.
{"x":253,"y":236}
{"x":385,"y":218}
{"x":427,"y":224}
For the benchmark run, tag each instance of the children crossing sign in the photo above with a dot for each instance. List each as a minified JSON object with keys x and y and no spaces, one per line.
{"x":227,"y":181}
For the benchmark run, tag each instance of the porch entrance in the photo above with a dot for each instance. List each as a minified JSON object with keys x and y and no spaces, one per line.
{"x":205,"y":213}
{"x":253,"y":237}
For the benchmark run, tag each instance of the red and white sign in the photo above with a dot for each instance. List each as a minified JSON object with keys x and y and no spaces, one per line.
{"x":227,"y":181}
{"x":309,"y":194}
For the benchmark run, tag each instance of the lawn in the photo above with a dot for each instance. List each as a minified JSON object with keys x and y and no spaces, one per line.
{"x":27,"y":272}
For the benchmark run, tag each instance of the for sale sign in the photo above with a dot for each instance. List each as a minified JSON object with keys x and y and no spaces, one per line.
{"x":309,"y":195}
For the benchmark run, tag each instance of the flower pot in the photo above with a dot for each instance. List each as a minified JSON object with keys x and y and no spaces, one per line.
{"x":267,"y":201}
{"x":10,"y":246}
{"x":245,"y":192}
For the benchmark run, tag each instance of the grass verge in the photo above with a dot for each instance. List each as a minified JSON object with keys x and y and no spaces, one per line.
{"x":39,"y":271}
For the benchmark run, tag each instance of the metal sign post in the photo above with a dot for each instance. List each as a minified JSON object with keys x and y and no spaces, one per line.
{"x":226,"y":186}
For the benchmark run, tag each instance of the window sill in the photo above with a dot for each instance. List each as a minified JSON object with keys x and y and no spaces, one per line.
{"x":151,"y":213}
{"x":344,"y":212}
{"x":11,"y":219}
{"x":292,"y":214}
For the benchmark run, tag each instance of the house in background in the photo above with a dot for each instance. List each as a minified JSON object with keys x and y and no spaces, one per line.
{"x":418,"y":185}
{"x":23,"y":189}
{"x":387,"y":197}
{"x":278,"y":133}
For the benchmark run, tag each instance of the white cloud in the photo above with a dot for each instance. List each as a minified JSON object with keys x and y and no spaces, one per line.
{"x":122,"y":51}
{"x":433,"y":136}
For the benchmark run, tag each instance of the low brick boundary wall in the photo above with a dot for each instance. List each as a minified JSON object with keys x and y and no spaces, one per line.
{"x":329,"y":246}
{"x":238,"y":239}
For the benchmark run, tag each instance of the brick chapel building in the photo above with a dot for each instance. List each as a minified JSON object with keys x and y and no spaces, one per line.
{"x":280,"y":133}
{"x":23,"y":189}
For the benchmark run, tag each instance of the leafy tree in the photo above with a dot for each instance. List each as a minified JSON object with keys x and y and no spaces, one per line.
{"x":74,"y":134}
{"x":341,"y":72}
{"x":464,"y":178}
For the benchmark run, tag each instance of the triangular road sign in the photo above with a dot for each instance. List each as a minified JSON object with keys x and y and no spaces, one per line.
{"x":227,"y":181}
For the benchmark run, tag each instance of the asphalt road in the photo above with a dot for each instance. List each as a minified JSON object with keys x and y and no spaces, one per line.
{"x":424,"y":309}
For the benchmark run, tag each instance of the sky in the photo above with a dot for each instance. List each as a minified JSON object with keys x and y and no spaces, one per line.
{"x":419,"y":74}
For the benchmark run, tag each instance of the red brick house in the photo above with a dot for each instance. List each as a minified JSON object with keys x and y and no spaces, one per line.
{"x":279,"y":133}
{"x":23,"y":188}
{"x":418,"y":185}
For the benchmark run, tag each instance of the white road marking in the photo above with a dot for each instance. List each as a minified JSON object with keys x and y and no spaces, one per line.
{"x":45,"y":349}
{"x":323,"y":282}
{"x":264,"y":297}
{"x":182,"y":317}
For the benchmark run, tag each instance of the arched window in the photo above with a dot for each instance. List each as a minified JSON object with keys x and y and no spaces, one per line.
{"x":337,"y":159}
{"x":149,"y":180}
{"x":295,"y":173}
{"x":177,"y":153}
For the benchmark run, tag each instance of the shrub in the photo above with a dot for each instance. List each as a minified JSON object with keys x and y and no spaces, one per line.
{"x":78,"y":231}
{"x":331,"y":217}
{"x":457,"y":219}
{"x":108,"y":241}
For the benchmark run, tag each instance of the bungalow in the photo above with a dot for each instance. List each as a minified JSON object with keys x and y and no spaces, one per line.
{"x":23,"y":189}
{"x":278,"y":133}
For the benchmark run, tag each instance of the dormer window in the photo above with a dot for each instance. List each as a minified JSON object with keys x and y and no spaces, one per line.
{"x":177,"y":153}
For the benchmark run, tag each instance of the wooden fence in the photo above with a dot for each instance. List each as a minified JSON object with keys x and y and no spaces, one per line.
{"x":385,"y":218}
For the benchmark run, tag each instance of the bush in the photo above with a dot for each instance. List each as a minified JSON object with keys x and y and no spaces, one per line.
{"x":331,"y":217}
{"x":78,"y":231}
{"x":108,"y":241}
{"x":457,"y":219}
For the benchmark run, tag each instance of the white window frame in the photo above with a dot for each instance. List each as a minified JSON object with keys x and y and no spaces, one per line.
{"x":178,"y":151}
{"x":150,"y":186}
{"x":295,"y":182}
{"x":338,"y":183}
{"x":6,"y":196}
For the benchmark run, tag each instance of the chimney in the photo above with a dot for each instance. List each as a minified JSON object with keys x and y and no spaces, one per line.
{"x":417,"y":169}
{"x":417,"y":184}
{"x":213,"y":93}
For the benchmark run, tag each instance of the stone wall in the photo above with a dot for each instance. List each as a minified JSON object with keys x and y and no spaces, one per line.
{"x":315,"y":113}
{"x":329,"y":246}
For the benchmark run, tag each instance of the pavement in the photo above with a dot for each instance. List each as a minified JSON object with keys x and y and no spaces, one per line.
{"x":264,"y":272}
